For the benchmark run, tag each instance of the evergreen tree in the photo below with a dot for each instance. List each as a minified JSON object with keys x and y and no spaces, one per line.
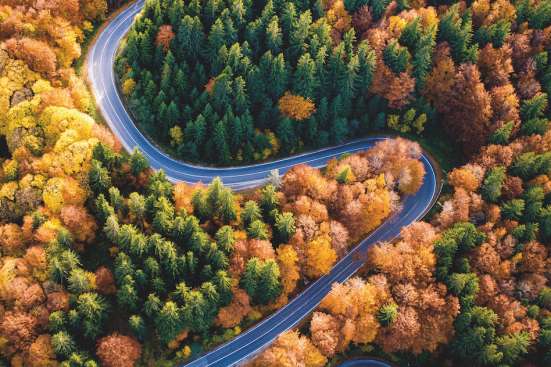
{"x":456,"y":29}
{"x":493,"y":182}
{"x":304,"y":80}
{"x":225,"y":239}
{"x":284,"y":227}
{"x":268,"y":199}
{"x":99,"y":178}
{"x":513,"y":209}
{"x":138,"y":327}
{"x":257,"y":229}
{"x":92,"y":309}
{"x":228,"y":211}
{"x":367,"y":62}
{"x":387,"y":314}
{"x":168,"y":321}
{"x":502,"y":135}
{"x":274,"y":38}
{"x":287,"y":135}
{"x":217,"y":35}
{"x":269,"y":283}
{"x":250,"y":213}
{"x":63,"y":344}
{"x":396,"y":57}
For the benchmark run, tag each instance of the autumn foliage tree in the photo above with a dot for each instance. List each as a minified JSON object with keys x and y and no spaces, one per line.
{"x":291,"y":349}
{"x":118,"y":350}
{"x":296,"y":107}
{"x":165,"y":35}
{"x":37,"y":54}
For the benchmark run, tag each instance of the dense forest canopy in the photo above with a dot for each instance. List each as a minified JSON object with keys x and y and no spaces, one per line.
{"x":257,"y":79}
{"x":252,"y":78}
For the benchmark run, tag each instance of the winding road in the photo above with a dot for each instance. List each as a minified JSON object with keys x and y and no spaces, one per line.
{"x":101,"y":75}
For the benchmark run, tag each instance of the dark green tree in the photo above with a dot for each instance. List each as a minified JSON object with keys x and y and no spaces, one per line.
{"x":456,"y":29}
{"x":250,"y":213}
{"x":396,"y":57}
{"x":168,"y":321}
{"x":99,"y":178}
{"x":284,"y":227}
{"x":258,"y":230}
{"x":502,"y":135}
{"x":493,"y":182}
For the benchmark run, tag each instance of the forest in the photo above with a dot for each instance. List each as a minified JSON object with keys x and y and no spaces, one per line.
{"x":262,"y":79}
{"x":99,"y":253}
{"x":469,"y":285}
{"x":107,"y":263}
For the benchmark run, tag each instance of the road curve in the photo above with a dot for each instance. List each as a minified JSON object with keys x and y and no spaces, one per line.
{"x":101,"y":75}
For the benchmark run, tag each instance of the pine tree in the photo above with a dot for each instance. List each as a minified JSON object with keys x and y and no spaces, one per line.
{"x":105,"y":156}
{"x":138,"y":163}
{"x":286,"y":135}
{"x":456,"y":29}
{"x":220,"y":142}
{"x":138,"y":327}
{"x":223,"y":90}
{"x":533,"y":198}
{"x":210,"y":294}
{"x":198,"y":312}
{"x":284,"y":227}
{"x":249,"y":279}
{"x":367,"y":61}
{"x":168,"y":321}
{"x":63,"y":344}
{"x":491,"y":188}
{"x":250,"y":213}
{"x":175,"y":12}
{"x":298,"y":35}
{"x":127,"y":296}
{"x":502,"y":135}
{"x":225,"y":239}
{"x":92,"y":308}
{"x":387,"y":314}
{"x":274,"y":37}
{"x":241,"y":99}
{"x":269,"y":285}
{"x":80,"y":281}
{"x":513,"y":346}
{"x":379,"y":8}
{"x":257,"y":229}
{"x":200,"y":206}
{"x":304,"y":80}
{"x":513,"y":209}
{"x":422,"y":57}
{"x":227,"y":210}
{"x":99,"y":178}
{"x":56,"y":321}
{"x":530,"y":164}
{"x":268,"y":199}
{"x":396,"y":57}
{"x":152,"y":305}
{"x":159,"y":185}
{"x":131,"y":50}
{"x":172,"y":114}
{"x":214,"y":195}
{"x":216,"y":37}
{"x":278,"y":76}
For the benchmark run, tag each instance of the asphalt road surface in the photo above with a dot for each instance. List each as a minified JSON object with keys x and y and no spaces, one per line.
{"x":101,"y":74}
